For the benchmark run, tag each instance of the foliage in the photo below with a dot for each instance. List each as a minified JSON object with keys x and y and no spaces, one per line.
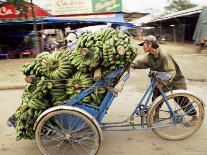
{"x":178,"y":5}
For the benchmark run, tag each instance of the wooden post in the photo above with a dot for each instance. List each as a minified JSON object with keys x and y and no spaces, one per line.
{"x":36,"y":36}
{"x":174,"y":34}
{"x":183,"y":32}
{"x":160,"y":29}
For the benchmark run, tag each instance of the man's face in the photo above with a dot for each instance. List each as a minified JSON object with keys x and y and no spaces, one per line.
{"x":146,"y":47}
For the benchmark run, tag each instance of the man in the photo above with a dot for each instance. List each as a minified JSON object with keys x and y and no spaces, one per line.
{"x":157,"y":60}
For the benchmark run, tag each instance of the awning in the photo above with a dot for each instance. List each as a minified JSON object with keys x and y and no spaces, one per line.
{"x":114,"y":18}
{"x":8,"y":13}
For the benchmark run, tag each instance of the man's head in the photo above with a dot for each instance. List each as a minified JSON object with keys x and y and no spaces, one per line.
{"x":149,"y":43}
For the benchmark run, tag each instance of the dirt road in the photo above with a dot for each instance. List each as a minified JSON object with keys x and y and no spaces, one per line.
{"x":125,"y":143}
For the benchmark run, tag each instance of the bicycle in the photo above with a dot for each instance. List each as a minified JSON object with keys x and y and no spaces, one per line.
{"x":76,"y":127}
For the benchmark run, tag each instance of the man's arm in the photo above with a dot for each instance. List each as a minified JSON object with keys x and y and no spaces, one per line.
{"x":141,"y":63}
{"x":169,"y":66}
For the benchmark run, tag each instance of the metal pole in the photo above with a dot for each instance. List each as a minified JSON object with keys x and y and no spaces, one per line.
{"x":36,"y":36}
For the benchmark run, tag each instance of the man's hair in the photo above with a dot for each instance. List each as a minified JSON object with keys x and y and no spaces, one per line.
{"x":154,"y":44}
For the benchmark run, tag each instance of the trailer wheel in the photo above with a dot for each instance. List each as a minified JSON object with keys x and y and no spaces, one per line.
{"x":67,"y":132}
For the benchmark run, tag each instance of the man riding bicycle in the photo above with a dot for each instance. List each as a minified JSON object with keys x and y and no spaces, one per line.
{"x":161,"y":62}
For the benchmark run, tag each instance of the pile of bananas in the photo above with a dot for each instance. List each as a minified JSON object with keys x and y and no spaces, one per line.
{"x":60,"y":76}
{"x":34,"y":102}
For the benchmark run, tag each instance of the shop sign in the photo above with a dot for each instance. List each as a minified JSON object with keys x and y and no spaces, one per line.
{"x":7,"y":11}
{"x":67,"y":7}
{"x":107,"y":6}
{"x":72,"y":7}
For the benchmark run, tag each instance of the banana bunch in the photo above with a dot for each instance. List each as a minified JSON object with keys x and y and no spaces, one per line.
{"x":34,"y":68}
{"x":57,"y":93}
{"x":85,"y":59}
{"x":118,"y":51}
{"x":57,"y":66}
{"x":98,"y":95}
{"x":26,"y":117}
{"x":77,"y":83}
{"x":38,"y":90}
{"x":28,"y":68}
{"x":25,"y":120}
{"x":34,"y":102}
{"x":86,"y":40}
{"x":38,"y":70}
{"x":87,"y":54}
{"x":105,"y":34}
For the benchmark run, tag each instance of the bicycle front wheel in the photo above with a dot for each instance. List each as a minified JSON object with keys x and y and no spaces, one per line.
{"x":67,"y":132}
{"x":189,"y":113}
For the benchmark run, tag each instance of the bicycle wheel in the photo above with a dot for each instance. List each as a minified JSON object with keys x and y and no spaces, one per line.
{"x":67,"y":132}
{"x":186,"y":107}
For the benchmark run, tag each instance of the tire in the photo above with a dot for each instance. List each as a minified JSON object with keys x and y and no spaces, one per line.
{"x":67,"y":132}
{"x":183,"y":127}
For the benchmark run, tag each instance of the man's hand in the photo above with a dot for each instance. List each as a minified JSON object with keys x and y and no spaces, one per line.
{"x":132,"y":65}
{"x":159,"y":85}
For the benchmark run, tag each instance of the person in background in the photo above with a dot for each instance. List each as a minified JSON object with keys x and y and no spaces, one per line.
{"x":72,"y":40}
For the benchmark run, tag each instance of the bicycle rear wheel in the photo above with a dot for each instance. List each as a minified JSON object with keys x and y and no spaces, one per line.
{"x":67,"y":132}
{"x":186,"y":106}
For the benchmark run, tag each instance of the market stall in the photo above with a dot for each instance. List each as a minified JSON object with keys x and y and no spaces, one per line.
{"x":16,"y":37}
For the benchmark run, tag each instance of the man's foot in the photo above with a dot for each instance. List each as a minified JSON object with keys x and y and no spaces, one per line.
{"x":194,"y":120}
{"x":156,"y":116}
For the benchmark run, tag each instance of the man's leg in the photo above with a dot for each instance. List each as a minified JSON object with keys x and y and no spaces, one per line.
{"x":156,"y":93}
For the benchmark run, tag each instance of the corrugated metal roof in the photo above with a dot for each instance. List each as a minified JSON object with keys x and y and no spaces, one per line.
{"x":183,"y":13}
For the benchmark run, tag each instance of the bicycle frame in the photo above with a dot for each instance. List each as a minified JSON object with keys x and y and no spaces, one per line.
{"x":99,"y":112}
{"x":147,"y":95}
{"x":149,"y":91}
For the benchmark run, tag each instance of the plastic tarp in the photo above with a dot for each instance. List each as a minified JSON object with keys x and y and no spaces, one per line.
{"x":117,"y":18}
{"x":200,"y":33}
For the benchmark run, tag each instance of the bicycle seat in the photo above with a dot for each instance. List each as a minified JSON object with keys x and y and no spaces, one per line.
{"x":160,"y":76}
{"x":163,"y":76}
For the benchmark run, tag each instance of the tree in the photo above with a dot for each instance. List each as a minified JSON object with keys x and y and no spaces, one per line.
{"x":178,"y":5}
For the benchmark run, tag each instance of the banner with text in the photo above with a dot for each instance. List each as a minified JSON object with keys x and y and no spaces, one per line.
{"x":71,"y":7}
{"x":107,"y":6}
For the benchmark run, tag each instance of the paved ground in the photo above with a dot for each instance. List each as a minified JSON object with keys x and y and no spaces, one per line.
{"x":10,"y":72}
{"x":116,"y":143}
